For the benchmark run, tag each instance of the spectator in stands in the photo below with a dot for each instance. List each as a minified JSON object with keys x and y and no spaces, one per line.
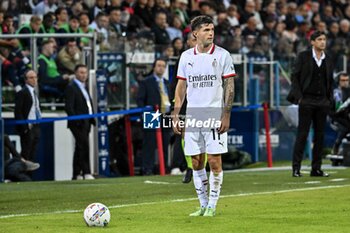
{"x":232,"y":15}
{"x":207,"y":8}
{"x":27,"y":107}
{"x":222,"y":28}
{"x":269,"y":11}
{"x":174,"y":30}
{"x":31,"y":28}
{"x":48,"y":23}
{"x":327,"y":15}
{"x":72,"y":27}
{"x":291,"y":15}
{"x":341,"y":117}
{"x":322,"y":26}
{"x":302,"y":13}
{"x":4,"y":29}
{"x":69,"y":57}
{"x":77,"y":9}
{"x":44,"y":7}
{"x":168,"y":52}
{"x":161,"y":6}
{"x":16,"y":167}
{"x":100,"y":25}
{"x":14,"y":8}
{"x":99,"y":7}
{"x":251,"y":27}
{"x":287,"y":42}
{"x":7,"y":26}
{"x":8,"y":70}
{"x":116,"y":30}
{"x":51,"y":82}
{"x":159,"y":29}
{"x":154,"y":91}
{"x":344,"y":29}
{"x":134,"y":24}
{"x":179,"y":8}
{"x":114,"y":3}
{"x":115,"y":25}
{"x":303,"y":36}
{"x":347,"y":12}
{"x":178,"y":46}
{"x":269,"y":30}
{"x":249,"y":11}
{"x":84,"y":23}
{"x":144,"y":12}
{"x":61,"y":17}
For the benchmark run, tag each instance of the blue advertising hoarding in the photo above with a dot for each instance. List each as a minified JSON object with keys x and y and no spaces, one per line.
{"x":102,"y":123}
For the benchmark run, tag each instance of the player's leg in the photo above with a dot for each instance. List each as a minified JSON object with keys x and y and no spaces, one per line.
{"x":200,"y":181}
{"x":194,"y":148}
{"x":215,"y":182}
{"x":216,"y":145}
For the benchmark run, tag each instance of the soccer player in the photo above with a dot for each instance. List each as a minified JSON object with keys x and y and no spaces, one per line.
{"x":205,"y":75}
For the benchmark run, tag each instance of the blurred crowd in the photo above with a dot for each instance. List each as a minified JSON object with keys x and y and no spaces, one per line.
{"x":251,"y":27}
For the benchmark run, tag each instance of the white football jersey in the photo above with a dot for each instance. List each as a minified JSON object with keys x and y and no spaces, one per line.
{"x":204,"y":74}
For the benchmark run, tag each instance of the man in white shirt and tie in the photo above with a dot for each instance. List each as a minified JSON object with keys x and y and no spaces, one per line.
{"x":78,"y":102}
{"x":27,"y":108}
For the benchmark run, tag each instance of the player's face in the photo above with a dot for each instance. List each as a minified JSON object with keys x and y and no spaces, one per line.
{"x":319,"y":43}
{"x":205,"y":34}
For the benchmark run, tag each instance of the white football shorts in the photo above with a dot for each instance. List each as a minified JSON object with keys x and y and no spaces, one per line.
{"x":205,"y":141}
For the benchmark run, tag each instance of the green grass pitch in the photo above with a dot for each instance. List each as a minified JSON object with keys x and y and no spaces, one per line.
{"x":252,"y":201}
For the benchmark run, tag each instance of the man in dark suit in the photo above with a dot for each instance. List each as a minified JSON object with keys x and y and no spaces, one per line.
{"x":27,"y":108}
{"x":78,"y":102}
{"x":153,"y":91}
{"x":312,"y":83}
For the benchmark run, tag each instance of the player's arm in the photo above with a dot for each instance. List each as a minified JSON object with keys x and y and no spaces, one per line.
{"x":228,"y":85}
{"x":180,"y":93}
{"x":228,"y":102}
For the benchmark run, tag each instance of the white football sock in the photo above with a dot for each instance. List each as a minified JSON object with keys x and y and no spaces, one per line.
{"x":200,"y":181}
{"x":215,"y":182}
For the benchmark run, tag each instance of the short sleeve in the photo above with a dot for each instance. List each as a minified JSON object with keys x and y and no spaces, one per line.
{"x":181,"y":73}
{"x":229,"y":68}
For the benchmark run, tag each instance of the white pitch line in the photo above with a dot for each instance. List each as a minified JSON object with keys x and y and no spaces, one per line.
{"x":337,"y":180}
{"x":182,"y":200}
{"x":313,"y":182}
{"x":156,"y":182}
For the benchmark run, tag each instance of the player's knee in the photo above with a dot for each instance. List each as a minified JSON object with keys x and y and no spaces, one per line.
{"x":197,"y":164}
{"x":215,"y":163}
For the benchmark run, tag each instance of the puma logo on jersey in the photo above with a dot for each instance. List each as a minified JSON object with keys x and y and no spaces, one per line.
{"x":221,"y":143}
{"x":191,"y":64}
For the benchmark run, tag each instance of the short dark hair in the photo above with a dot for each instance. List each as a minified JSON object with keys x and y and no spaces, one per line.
{"x":26,"y":73}
{"x":317,"y":34}
{"x":77,"y":67}
{"x":159,"y":59}
{"x":340,"y":74}
{"x":198,"y":21}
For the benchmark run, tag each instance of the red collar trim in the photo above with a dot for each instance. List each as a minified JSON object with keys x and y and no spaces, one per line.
{"x":211,"y":51}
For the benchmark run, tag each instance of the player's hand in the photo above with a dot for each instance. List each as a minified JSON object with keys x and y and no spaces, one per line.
{"x":176,"y":126}
{"x":225,"y":123}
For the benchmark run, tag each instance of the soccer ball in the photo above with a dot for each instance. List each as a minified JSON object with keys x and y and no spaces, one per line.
{"x":97,"y":214}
